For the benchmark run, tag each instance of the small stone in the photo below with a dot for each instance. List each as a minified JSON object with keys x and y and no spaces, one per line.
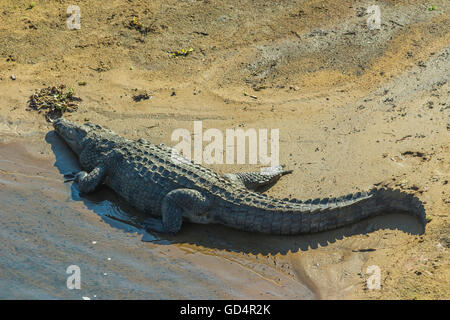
{"x":141,"y":96}
{"x":13,"y":77}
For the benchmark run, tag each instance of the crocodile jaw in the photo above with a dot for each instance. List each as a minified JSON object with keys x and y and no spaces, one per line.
{"x":72,"y":133}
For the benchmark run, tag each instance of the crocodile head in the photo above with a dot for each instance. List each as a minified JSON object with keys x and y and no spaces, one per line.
{"x":73,"y":134}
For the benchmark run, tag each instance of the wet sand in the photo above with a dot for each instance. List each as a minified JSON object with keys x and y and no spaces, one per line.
{"x":47,"y":226}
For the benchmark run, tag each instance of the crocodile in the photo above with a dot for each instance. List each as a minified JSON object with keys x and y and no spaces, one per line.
{"x":170,"y":189}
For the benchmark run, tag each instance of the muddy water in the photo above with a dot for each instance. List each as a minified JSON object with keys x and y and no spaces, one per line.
{"x":46,"y":227}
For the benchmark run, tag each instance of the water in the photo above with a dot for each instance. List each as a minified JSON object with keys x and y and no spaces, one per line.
{"x":46,"y":226}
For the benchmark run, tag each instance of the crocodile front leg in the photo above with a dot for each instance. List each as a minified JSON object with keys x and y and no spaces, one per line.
{"x":88,"y":182}
{"x":258,"y":179}
{"x":179,"y":203}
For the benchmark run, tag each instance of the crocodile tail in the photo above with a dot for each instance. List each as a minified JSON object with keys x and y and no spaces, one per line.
{"x":290,"y":217}
{"x":335,"y":213}
{"x":396,"y":200}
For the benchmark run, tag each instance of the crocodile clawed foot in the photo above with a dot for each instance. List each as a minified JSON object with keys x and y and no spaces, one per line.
{"x":69,"y":176}
{"x":283,"y":172}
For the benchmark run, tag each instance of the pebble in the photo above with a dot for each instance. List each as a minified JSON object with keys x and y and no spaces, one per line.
{"x":13,"y":77}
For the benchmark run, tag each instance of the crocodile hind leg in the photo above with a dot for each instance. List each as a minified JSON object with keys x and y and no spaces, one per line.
{"x":88,"y":182}
{"x":259,"y":179}
{"x":177,"y":204}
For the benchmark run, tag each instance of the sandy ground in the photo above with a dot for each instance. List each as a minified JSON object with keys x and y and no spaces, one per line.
{"x":355,"y":107}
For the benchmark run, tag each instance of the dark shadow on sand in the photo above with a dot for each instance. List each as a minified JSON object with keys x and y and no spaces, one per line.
{"x":118,"y":214}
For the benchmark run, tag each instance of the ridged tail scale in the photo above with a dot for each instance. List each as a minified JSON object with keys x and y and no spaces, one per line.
{"x":329,"y":213}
